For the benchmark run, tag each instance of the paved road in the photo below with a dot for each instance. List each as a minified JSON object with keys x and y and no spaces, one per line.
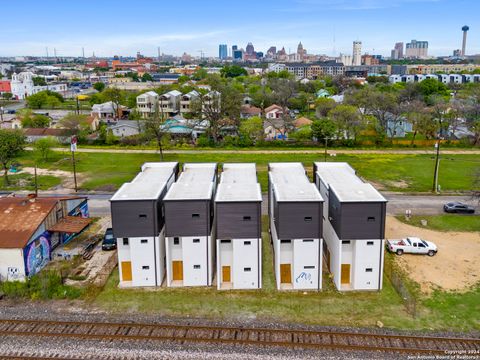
{"x":397,"y":203}
{"x":15,"y":106}
{"x":320,"y":151}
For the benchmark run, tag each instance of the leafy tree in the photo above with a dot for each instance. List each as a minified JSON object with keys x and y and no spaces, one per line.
{"x":348,"y":120}
{"x":116,"y":96}
{"x":35,"y":121}
{"x":283,"y":90}
{"x":39,"y":81}
{"x":7,"y":95}
{"x":305,"y":133}
{"x":44,"y":99}
{"x":231,"y":71}
{"x":12,"y":143}
{"x":432,"y":87}
{"x":156,"y":127}
{"x":74,"y":122}
{"x":200,"y":74}
{"x":323,"y":106}
{"x":43,"y":147}
{"x":147,"y":77}
{"x":99,"y":86}
{"x":252,"y":129}
{"x":323,"y":129}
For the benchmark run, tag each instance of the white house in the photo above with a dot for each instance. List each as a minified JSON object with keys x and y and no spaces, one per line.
{"x":212,"y":101}
{"x":186,"y":101}
{"x":170,"y":102}
{"x":124,"y":128}
{"x":146,"y":103}
{"x":109,"y":111}
{"x":238,"y":225}
{"x":295,"y":209}
{"x":22,"y":86}
{"x":188,"y":209}
{"x":274,"y":112}
{"x":353,"y":227}
{"x":138,"y":225}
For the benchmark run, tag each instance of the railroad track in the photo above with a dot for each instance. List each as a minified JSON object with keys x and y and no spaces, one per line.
{"x":242,"y":336}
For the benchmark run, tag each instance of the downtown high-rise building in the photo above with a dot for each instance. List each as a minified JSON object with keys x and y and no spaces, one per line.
{"x":357,"y":53}
{"x":222,"y":51}
{"x":397,"y":52}
{"x":417,"y":49}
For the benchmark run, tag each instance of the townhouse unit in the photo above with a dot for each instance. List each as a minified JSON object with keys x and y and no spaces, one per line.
{"x":187,"y":101}
{"x":295,"y":209}
{"x":189,"y":212}
{"x":353,"y":227}
{"x":238,"y":228}
{"x":169,"y":103}
{"x":147,"y":103}
{"x":138,"y":224}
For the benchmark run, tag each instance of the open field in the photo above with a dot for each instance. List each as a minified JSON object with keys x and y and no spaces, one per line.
{"x":26,"y":181}
{"x":446,"y":222}
{"x":394,"y":172}
{"x":438,"y":311}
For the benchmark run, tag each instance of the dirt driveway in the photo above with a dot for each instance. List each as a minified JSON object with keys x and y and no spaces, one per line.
{"x":66,"y":176}
{"x":454,"y":267}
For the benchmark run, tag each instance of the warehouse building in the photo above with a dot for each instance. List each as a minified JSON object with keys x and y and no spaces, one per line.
{"x":353,"y":227}
{"x":238,"y":224}
{"x":295,"y":210}
{"x":189,"y":213}
{"x":138,"y":224}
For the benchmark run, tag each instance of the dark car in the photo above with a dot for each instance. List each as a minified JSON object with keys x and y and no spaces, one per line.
{"x":458,"y":207}
{"x":109,"y":242}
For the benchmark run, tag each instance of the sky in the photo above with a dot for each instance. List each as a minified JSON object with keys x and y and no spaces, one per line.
{"x":123,"y":27}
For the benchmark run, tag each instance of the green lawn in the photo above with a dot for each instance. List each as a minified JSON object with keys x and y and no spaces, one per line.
{"x":396,"y":172}
{"x":443,"y":311}
{"x":27,"y":182}
{"x":446,"y":222}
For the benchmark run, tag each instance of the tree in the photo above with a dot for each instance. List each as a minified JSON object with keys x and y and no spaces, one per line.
{"x":44,"y":99}
{"x":43,"y":147}
{"x":74,"y":122}
{"x":147,"y":77}
{"x":157,"y":127}
{"x":12,"y":143}
{"x":39,"y":81}
{"x":347,"y":119}
{"x":283,"y":90}
{"x":252,"y":129}
{"x":230,"y":71}
{"x":35,"y":121}
{"x":7,"y":95}
{"x":323,"y":106}
{"x":116,"y":96}
{"x":200,"y":74}
{"x":430,"y":87}
{"x":302,"y":134}
{"x":99,"y":86}
{"x":323,"y":129}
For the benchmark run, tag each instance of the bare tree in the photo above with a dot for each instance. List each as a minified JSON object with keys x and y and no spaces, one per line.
{"x":283,"y":89}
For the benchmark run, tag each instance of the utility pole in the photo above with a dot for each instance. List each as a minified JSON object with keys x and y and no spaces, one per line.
{"x":437,"y":165}
{"x":36,"y":180}
{"x":73,"y":148}
{"x":326,"y":140}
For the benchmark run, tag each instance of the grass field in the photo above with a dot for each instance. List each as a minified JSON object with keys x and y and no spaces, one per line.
{"x":446,"y":222}
{"x":27,"y":182}
{"x":442,"y":311}
{"x":396,"y":172}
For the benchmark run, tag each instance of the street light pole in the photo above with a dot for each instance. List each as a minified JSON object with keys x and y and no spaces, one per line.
{"x":326,"y":140}
{"x":437,"y":165}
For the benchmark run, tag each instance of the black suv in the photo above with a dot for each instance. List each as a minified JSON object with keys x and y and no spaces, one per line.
{"x":109,"y":242}
{"x":458,"y":207}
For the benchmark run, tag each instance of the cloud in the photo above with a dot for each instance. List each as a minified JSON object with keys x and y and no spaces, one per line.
{"x":312,"y":5}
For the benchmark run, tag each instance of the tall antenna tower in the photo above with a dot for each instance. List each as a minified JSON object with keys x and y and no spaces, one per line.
{"x":158,"y":52}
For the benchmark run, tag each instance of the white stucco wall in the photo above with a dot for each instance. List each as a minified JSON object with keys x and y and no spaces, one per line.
{"x":306,"y":264}
{"x":12,"y":258}
{"x":245,"y":256}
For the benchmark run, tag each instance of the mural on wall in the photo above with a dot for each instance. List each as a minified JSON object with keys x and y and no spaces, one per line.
{"x":37,"y":254}
{"x":80,"y":210}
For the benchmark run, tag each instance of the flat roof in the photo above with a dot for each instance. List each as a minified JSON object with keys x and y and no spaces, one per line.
{"x":195,"y":182}
{"x":147,"y":185}
{"x":238,"y":183}
{"x":291,"y":183}
{"x":242,"y":173}
{"x":344,"y":182}
{"x":170,"y":165}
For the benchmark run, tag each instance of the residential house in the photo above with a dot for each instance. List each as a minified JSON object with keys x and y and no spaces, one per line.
{"x":147,"y":103}
{"x":125,"y":128}
{"x":295,"y":207}
{"x":187,"y":101}
{"x":138,"y":224}
{"x":170,"y":102}
{"x":189,"y":214}
{"x":238,"y":228}
{"x":212,"y":100}
{"x":31,"y":228}
{"x":62,"y":135}
{"x":301,"y":122}
{"x":248,"y":111}
{"x":353,"y":227}
{"x":110,"y":111}
{"x":274,"y":112}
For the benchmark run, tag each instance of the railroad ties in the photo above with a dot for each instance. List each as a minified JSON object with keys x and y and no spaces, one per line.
{"x":241,"y":336}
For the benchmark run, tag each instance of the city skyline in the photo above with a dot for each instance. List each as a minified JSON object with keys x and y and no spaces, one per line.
{"x":323,"y":26}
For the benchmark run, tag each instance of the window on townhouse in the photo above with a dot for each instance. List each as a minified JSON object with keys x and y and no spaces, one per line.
{"x":176,"y":241}
{"x":145,"y":267}
{"x":308,"y":218}
{"x":371,"y":219}
{"x":247,"y":243}
{"x":368,"y":270}
{"x":247,"y":269}
{"x":195,"y":216}
{"x":144,"y":241}
{"x":125,"y":241}
{"x":247,"y":218}
{"x":196,"y":241}
{"x":309,"y":267}
{"x":225,"y":241}
{"x":307,"y":240}
{"x":196,"y":267}
{"x":369,"y":243}
{"x":345,"y":242}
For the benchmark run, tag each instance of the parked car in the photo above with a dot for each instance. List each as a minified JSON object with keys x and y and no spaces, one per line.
{"x":412,"y":245}
{"x":458,"y":207}
{"x":109,"y":242}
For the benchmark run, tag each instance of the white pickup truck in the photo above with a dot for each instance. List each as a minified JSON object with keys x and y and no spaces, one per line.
{"x":412,"y":245}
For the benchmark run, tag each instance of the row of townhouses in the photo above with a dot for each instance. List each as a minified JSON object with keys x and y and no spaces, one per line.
{"x":444,"y":78}
{"x":174,"y":102}
{"x":184,"y":229}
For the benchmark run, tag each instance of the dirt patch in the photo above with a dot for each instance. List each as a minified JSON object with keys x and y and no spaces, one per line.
{"x":399,"y":184}
{"x":454,"y":267}
{"x":68,"y":182}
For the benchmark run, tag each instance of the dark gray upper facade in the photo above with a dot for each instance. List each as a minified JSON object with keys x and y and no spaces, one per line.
{"x":188,"y":217}
{"x":238,"y":220}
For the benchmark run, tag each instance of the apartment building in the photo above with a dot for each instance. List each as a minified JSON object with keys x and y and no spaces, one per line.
{"x":238,"y":224}
{"x":169,"y":103}
{"x":147,"y":103}
{"x":138,"y":224}
{"x":187,"y":101}
{"x":189,"y":214}
{"x":295,"y":208}
{"x":353,"y":227}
